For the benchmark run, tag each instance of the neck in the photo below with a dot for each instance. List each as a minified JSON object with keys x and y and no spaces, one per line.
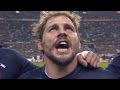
{"x":55,"y":72}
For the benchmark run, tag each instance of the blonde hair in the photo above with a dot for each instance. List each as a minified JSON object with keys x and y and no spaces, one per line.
{"x":39,"y":27}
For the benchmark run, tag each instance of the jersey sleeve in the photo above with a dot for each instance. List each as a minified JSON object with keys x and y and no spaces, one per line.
{"x":13,"y":64}
{"x":114,"y":66}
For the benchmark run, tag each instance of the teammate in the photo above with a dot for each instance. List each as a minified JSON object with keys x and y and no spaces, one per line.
{"x":13,"y":64}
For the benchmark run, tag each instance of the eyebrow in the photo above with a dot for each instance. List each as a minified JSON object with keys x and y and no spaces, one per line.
{"x":66,"y":24}
{"x":54,"y":25}
{"x":70,"y":26}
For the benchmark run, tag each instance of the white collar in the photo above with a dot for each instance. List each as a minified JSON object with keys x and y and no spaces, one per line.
{"x":48,"y":75}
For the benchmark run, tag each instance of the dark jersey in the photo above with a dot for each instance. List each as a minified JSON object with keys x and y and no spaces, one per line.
{"x":13,"y":64}
{"x":114,"y":66}
{"x":79,"y":73}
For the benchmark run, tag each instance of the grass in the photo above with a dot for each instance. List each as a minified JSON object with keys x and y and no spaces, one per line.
{"x":102,"y":65}
{"x":39,"y":64}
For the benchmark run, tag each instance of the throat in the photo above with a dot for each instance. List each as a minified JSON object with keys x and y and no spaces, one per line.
{"x":54,"y":71}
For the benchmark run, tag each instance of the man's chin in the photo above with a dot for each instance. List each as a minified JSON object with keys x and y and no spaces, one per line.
{"x":63,"y":60}
{"x":62,"y":63}
{"x":65,"y":57}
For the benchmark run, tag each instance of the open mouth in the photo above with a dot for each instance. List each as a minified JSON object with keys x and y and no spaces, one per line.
{"x":62,"y":46}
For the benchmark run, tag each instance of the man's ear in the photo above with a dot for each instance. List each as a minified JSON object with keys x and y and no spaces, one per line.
{"x":40,"y":45}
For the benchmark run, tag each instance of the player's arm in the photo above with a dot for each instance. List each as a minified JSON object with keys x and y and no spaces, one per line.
{"x":25,"y":65}
{"x":22,"y":64}
{"x":88,"y":58}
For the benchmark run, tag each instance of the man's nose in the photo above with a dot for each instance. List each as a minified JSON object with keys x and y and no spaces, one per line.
{"x":62,"y":33}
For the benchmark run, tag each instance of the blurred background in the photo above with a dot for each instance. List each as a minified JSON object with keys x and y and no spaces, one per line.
{"x":99,"y":33}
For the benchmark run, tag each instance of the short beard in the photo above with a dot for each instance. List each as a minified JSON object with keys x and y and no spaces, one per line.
{"x":62,"y":63}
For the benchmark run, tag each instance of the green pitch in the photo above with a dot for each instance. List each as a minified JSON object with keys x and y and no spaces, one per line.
{"x":40,"y":64}
{"x":102,"y":65}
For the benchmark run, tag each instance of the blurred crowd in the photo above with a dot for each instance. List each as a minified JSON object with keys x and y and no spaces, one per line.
{"x":101,"y":28}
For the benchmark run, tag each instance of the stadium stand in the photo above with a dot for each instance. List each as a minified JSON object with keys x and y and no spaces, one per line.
{"x":101,"y":28}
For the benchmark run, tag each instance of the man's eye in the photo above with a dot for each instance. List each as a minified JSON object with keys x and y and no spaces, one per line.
{"x":69,"y":28}
{"x":53,"y":29}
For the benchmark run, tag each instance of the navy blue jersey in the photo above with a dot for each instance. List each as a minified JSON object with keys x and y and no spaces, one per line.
{"x":13,"y":64}
{"x":114,"y":66}
{"x":79,"y":73}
